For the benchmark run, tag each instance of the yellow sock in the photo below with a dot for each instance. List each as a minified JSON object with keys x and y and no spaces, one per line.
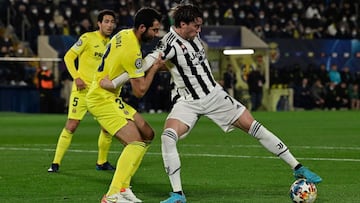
{"x":125,"y":166}
{"x":136,"y":166}
{"x":62,"y":145}
{"x":104,"y":143}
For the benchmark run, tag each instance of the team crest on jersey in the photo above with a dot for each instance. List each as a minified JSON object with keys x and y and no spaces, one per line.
{"x":138,"y":63}
{"x":79,"y":43}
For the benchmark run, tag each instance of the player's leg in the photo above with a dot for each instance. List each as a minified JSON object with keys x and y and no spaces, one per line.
{"x":104,"y":143}
{"x":63,"y":143}
{"x":147,"y":134}
{"x":127,"y":163}
{"x":76,"y":112}
{"x":273,"y":144}
{"x":173,"y":130}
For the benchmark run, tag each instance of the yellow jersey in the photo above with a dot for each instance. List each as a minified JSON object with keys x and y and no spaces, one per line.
{"x":89,"y":50}
{"x":123,"y":54}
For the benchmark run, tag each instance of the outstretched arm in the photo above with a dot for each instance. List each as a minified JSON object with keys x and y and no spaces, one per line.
{"x":108,"y":84}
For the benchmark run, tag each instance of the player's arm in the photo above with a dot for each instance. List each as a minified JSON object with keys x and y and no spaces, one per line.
{"x":141,"y":85}
{"x":108,"y":84}
{"x":71,"y":55}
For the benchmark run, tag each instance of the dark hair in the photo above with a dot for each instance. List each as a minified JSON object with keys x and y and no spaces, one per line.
{"x":102,"y":13}
{"x":146,"y":16}
{"x":186,"y":13}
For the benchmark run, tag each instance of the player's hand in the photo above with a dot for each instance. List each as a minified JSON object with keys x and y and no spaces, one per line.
{"x":106,"y":83}
{"x":80,"y":84}
{"x":159,"y":63}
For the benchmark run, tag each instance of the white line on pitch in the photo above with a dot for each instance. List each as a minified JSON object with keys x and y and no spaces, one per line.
{"x":188,"y":155}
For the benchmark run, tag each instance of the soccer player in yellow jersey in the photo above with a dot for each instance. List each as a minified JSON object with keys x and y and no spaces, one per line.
{"x":88,"y":50}
{"x":123,"y":54}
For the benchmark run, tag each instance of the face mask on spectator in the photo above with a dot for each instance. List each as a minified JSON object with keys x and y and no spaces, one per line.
{"x":34,"y":11}
{"x":241,"y":15}
{"x":206,"y":14}
{"x":41,"y":24}
{"x":353,"y":18}
{"x":20,"y":51}
{"x":153,"y":3}
{"x":68,"y":13}
{"x":47,"y":10}
{"x":51,"y":24}
{"x":132,"y":12}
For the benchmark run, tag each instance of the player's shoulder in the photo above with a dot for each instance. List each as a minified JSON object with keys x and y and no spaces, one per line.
{"x":170,"y":38}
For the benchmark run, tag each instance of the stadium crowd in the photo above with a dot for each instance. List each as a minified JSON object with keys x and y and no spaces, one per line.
{"x":297,"y":19}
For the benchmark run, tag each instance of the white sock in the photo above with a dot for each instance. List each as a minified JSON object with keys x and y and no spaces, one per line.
{"x":171,"y":158}
{"x":272,"y":143}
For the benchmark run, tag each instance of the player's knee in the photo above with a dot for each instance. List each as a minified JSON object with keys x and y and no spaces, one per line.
{"x":148,"y":135}
{"x":71,"y":125}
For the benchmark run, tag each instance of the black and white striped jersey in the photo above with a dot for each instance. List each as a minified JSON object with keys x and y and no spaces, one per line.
{"x":191,"y":71}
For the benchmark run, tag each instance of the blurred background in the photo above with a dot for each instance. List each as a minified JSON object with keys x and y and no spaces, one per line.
{"x":306,"y":54}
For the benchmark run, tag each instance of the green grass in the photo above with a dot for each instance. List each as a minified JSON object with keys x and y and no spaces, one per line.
{"x":216,"y":167}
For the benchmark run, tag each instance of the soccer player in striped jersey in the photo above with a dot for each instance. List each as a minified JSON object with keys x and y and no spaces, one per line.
{"x":88,"y":50}
{"x":123,"y":54}
{"x":197,"y":94}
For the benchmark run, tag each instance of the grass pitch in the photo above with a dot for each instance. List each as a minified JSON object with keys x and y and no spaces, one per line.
{"x":216,"y":167}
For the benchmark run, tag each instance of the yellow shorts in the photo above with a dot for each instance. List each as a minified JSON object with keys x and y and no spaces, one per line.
{"x":112,"y":113}
{"x":77,"y":104}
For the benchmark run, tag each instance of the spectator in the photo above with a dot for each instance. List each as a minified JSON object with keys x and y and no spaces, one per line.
{"x":346,"y":75}
{"x":343,"y":94}
{"x":46,"y":85}
{"x":66,"y":85}
{"x":229,"y":80}
{"x":318,"y":93}
{"x":255,"y":82}
{"x":332,"y":99}
{"x":354,"y":97}
{"x":322,"y":74}
{"x":334,"y":74}
{"x":302,"y":95}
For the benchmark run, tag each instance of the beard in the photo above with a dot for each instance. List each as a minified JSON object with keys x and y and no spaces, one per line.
{"x":146,"y":38}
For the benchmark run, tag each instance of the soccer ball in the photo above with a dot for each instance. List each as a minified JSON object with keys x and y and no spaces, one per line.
{"x":302,"y":191}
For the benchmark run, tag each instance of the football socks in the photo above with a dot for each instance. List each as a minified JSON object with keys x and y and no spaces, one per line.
{"x":131,"y":154}
{"x":104,"y":143}
{"x":62,"y":145}
{"x":272,"y":143}
{"x":171,"y":158}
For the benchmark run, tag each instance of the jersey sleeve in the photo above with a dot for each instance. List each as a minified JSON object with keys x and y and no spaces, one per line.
{"x":133,"y":63}
{"x":166,"y":50}
{"x":80,"y":45}
{"x":73,"y":53}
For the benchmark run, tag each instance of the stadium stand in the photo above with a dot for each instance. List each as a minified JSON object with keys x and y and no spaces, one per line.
{"x":23,"y":21}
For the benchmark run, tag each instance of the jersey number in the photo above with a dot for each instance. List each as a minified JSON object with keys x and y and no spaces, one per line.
{"x":121,"y":105}
{"x":75,"y":101}
{"x":229,"y":98}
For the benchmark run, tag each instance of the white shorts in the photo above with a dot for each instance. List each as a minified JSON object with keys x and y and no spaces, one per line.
{"x":218,"y":106}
